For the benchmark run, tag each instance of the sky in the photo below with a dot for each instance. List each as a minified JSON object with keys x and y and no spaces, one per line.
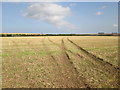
{"x":0,"y":17}
{"x":59,"y":17}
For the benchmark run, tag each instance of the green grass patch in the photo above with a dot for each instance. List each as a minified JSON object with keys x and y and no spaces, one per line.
{"x":74,"y":50}
{"x":33,"y":53}
{"x":29,"y":53}
{"x":4,"y":55}
{"x":45,"y":53}
{"x":103,"y":48}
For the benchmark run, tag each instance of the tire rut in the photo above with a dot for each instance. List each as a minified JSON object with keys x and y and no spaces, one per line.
{"x":47,"y":49}
{"x":113,"y":71}
{"x":52,"y":61}
{"x":103,"y":64}
{"x":54,"y":43}
{"x":76,"y":54}
{"x":70,"y":63}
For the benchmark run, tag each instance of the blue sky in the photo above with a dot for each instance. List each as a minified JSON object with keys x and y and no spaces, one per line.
{"x":0,"y":17}
{"x":60,"y":17}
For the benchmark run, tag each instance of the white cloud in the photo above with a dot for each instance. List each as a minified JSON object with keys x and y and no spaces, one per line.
{"x":50,"y":13}
{"x":99,"y":13}
{"x":115,"y":25}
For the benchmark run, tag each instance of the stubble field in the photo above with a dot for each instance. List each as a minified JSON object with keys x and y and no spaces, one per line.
{"x":60,"y":62}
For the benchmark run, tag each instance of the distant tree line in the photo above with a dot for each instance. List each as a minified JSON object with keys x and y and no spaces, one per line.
{"x":18,"y":35}
{"x":99,"y":34}
{"x":24,"y":34}
{"x":69,"y":35}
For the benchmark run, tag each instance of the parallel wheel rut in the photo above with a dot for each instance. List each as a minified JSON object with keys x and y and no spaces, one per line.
{"x":105,"y":65}
{"x":70,"y":63}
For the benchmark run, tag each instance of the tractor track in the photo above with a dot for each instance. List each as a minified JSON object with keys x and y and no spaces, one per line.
{"x":47,"y":49}
{"x":54,"y":43}
{"x":103,"y":64}
{"x":70,"y":63}
{"x":71,"y":73}
{"x":52,"y":58}
{"x":96,"y":61}
{"x":76,"y":54}
{"x":54,"y":62}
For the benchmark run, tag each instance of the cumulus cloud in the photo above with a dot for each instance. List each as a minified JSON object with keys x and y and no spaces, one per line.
{"x":115,"y":25}
{"x":50,"y":13}
{"x":99,"y":13}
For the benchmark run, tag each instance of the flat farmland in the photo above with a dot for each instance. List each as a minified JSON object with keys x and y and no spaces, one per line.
{"x":60,"y":62}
